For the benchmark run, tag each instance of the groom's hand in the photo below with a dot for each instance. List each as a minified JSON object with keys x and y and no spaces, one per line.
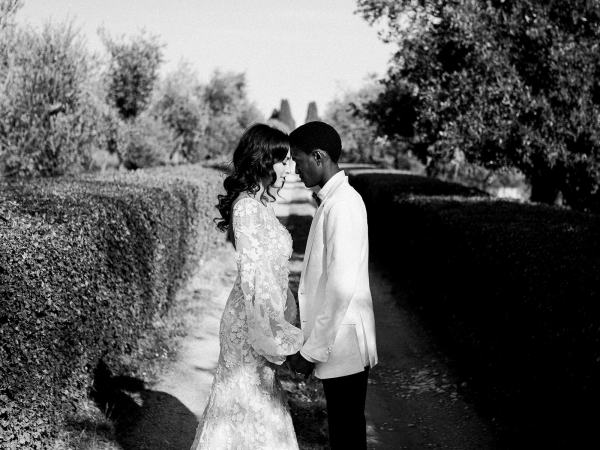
{"x":301,"y":365}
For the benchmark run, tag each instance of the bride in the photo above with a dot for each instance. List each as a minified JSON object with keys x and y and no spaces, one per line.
{"x":247,"y":408}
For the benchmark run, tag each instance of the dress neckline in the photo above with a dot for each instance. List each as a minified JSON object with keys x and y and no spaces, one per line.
{"x":267,"y":207}
{"x":242,"y":197}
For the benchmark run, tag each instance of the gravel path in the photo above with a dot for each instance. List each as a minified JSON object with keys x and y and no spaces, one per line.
{"x":413,"y":400}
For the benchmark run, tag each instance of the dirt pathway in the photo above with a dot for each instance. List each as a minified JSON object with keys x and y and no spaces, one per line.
{"x":412,"y":402}
{"x":189,"y":379}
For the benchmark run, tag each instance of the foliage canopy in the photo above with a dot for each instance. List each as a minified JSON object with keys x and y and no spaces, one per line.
{"x":501,"y":83}
{"x":49,"y":110}
{"x":133,"y":72}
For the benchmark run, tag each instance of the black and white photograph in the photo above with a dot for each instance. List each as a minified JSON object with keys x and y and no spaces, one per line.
{"x":299,"y":224}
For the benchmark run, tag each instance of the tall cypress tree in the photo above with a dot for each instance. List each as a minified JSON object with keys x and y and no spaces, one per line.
{"x":284,"y":114}
{"x":312,"y":114}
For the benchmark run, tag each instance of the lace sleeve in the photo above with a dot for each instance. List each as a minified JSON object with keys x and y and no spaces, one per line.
{"x":269,"y":333}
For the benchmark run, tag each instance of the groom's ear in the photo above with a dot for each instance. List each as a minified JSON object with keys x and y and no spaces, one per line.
{"x":319,"y":155}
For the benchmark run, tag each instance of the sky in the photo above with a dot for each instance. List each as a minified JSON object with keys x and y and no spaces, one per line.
{"x":302,"y":50}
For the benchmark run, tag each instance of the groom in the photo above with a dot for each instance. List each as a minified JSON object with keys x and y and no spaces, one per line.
{"x":336,"y":311}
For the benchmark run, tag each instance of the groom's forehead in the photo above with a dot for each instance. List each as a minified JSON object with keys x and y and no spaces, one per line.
{"x":298,"y":152}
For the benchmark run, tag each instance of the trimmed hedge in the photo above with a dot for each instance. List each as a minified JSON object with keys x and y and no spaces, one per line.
{"x":511,"y":291}
{"x":86,"y":265}
{"x":381,"y":185}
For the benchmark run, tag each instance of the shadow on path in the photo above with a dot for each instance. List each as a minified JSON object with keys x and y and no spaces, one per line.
{"x":298,"y":226}
{"x":143,"y":419}
{"x":305,"y":397}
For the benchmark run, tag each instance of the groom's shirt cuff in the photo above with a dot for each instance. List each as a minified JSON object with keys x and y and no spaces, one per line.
{"x":308,"y":358}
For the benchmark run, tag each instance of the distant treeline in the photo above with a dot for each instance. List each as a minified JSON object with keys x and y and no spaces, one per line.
{"x":66,"y":110}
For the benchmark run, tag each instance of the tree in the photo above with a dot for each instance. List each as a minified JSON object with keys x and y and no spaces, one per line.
{"x":312,"y":114}
{"x":8,"y":9}
{"x":132,"y":72}
{"x":207,"y":120}
{"x":180,"y":104}
{"x":502,"y":84}
{"x":48,"y":124}
{"x":359,"y":138}
{"x":147,"y":142}
{"x":230,"y":113}
{"x":130,"y":81}
{"x":284,"y":115}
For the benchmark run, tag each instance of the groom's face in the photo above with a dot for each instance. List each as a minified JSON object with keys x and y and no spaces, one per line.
{"x":306,"y":167}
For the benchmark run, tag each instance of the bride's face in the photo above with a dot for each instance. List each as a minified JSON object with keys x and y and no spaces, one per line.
{"x":282,"y":170}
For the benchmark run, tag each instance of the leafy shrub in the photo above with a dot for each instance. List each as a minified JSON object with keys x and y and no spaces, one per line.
{"x":510,"y":290}
{"x":102,"y":160}
{"x":230,"y":113}
{"x":8,"y":8}
{"x":132,"y":72}
{"x":48,"y":123}
{"x":360,"y":141}
{"x":510,"y":84}
{"x":179,"y":102}
{"x":206,"y":120}
{"x":147,"y":142}
{"x":86,"y":265}
{"x":387,"y":185}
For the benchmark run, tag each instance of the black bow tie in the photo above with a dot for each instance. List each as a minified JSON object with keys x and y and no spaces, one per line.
{"x":317,"y":199}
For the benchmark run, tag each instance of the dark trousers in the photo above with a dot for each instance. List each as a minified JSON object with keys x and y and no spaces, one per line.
{"x":346,"y":411}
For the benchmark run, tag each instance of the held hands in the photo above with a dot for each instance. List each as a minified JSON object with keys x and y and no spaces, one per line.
{"x":300,"y":365}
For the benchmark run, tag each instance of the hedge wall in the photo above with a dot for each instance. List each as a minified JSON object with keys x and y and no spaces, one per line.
{"x":510,"y":290}
{"x":85,"y":265}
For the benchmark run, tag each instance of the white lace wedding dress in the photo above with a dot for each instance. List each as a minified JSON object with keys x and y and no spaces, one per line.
{"x":247,"y":409}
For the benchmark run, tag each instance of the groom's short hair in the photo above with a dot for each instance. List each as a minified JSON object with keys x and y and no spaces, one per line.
{"x":317,"y":135}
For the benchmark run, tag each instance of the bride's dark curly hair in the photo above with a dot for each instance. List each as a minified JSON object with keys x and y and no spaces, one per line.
{"x":259,"y":148}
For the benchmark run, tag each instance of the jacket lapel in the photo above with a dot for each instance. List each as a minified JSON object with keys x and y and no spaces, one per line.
{"x":311,"y":238}
{"x":313,"y":226}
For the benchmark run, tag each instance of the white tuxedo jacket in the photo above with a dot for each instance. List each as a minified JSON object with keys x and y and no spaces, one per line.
{"x":336,"y":310}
